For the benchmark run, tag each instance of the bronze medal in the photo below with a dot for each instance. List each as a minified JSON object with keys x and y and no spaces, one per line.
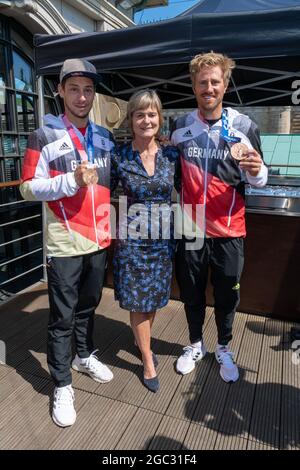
{"x":94,"y":176}
{"x":239,"y":151}
{"x":90,"y":176}
{"x":86,"y":178}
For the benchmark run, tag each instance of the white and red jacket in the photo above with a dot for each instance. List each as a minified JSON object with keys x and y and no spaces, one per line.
{"x":210,"y":177}
{"x":77,"y":218}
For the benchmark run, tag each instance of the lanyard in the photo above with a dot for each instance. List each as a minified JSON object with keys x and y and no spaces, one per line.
{"x":90,"y":145}
{"x":78,"y":144}
{"x":225,"y":129}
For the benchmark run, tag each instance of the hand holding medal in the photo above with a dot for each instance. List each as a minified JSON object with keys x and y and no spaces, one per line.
{"x":249,"y":159}
{"x":252,"y":163}
{"x":90,"y":175}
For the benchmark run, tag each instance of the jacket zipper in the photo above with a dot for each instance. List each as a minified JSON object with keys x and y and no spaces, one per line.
{"x":66,"y":220}
{"x":205,"y":183}
{"x":94,"y":218}
{"x":94,"y":214}
{"x":231,"y":208}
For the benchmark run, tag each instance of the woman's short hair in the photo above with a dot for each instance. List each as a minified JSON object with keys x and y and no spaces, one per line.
{"x":144,"y":99}
{"x":212,"y":59}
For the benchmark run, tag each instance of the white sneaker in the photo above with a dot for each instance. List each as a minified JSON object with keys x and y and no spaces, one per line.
{"x":228,"y":370}
{"x":186,"y":362}
{"x":63,"y":413}
{"x":93,"y":367}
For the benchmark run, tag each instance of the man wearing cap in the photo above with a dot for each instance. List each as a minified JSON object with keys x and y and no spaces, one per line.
{"x":67,"y":166}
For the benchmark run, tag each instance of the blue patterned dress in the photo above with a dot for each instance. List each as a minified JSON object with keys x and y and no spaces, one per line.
{"x":143,"y":264}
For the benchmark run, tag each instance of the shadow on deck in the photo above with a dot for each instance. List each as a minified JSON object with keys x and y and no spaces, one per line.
{"x":197,"y":411}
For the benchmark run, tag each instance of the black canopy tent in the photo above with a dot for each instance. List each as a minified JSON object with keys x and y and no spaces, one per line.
{"x":263,"y":39}
{"x":224,"y":6}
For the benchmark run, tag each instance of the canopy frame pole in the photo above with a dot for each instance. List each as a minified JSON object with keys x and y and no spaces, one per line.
{"x":41,"y":114}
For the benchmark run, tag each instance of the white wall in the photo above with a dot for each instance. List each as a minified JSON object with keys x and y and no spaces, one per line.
{"x":91,"y":15}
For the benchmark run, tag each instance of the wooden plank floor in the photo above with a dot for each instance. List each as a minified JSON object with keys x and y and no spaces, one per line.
{"x":197,"y":411}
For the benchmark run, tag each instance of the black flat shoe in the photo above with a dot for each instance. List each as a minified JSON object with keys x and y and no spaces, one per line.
{"x":152,"y":384}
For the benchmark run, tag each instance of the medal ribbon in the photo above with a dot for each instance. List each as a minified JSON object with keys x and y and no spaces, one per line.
{"x":84,"y":156}
{"x":225,"y":129}
{"x":90,"y":145}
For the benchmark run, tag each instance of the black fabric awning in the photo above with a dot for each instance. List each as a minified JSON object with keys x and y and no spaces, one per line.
{"x":225,"y":6}
{"x":265,"y":45}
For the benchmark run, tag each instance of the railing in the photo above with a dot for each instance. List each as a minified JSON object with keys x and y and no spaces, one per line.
{"x":282,"y":170}
{"x":10,"y":183}
{"x":21,"y":244}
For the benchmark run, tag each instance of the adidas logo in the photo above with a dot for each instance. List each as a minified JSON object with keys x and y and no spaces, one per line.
{"x":188,"y":133}
{"x":64,"y":146}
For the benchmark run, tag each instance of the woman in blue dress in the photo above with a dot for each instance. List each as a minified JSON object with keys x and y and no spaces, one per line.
{"x":144,"y":245}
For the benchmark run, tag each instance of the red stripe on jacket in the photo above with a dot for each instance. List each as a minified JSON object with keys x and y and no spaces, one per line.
{"x":31,"y":159}
{"x":224,"y":208}
{"x":79,"y":213}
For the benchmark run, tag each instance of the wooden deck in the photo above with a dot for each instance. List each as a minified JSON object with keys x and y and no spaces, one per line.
{"x":197,"y":411}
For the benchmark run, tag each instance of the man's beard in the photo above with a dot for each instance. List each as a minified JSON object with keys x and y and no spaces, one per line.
{"x":211,"y":107}
{"x":80,"y":116}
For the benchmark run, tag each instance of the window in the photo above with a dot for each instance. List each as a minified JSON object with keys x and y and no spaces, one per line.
{"x":9,"y":145}
{"x":11,"y":169}
{"x":25,"y":112}
{"x":6,"y":117}
{"x":18,"y":97}
{"x":21,"y":222}
{"x":22,"y":143}
{"x":3,"y":62}
{"x":23,"y":73}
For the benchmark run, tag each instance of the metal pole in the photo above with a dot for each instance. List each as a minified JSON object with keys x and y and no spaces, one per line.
{"x":41,"y":113}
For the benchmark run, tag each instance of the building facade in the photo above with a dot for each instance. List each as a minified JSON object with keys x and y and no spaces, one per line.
{"x":21,"y":248}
